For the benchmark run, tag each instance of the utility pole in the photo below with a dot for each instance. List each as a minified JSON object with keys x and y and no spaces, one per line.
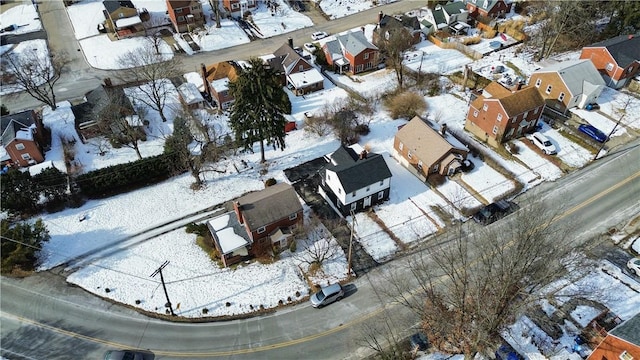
{"x":159,"y":271}
{"x":353,"y":220}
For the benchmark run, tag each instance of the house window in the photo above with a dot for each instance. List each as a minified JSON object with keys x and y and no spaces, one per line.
{"x":499,"y":117}
{"x":19,"y":146}
{"x":485,"y":107}
{"x":380,"y":195}
{"x":180,"y":18}
{"x":179,"y":11}
{"x":261,"y":229}
{"x":495,"y":130}
{"x":353,"y":206}
{"x":353,"y":193}
{"x":538,"y":82}
{"x":409,"y":155}
{"x":381,"y":182}
{"x":26,"y":156}
{"x":420,"y":164}
{"x":625,"y":356}
{"x":548,"y":91}
{"x":365,"y":56}
{"x":561,"y":97}
{"x":234,"y":6}
{"x":359,"y":68}
{"x":301,"y":68}
{"x":475,"y":113}
{"x":401,"y":146}
{"x":609,"y":67}
{"x":293,"y":216}
{"x":121,"y":15}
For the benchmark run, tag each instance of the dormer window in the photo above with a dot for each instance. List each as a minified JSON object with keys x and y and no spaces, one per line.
{"x":609,"y":67}
{"x":485,"y":107}
{"x":538,"y":83}
{"x":548,"y":91}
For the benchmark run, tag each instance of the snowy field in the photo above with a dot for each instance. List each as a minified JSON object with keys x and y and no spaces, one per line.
{"x":24,"y":18}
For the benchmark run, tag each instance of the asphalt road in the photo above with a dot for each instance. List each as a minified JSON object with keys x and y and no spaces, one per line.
{"x":79,"y":78}
{"x":65,"y":322}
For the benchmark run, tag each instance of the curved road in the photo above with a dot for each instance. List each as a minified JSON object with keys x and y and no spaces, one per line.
{"x":65,"y":322}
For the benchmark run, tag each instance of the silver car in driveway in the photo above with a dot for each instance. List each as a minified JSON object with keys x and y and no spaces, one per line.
{"x":327,"y":295}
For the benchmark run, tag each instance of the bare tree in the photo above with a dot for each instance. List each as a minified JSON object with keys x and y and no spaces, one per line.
{"x":215,"y":5}
{"x":320,"y":245}
{"x":120,"y":125}
{"x":384,"y":334}
{"x":151,"y":71}
{"x":474,"y":282}
{"x":395,"y":39}
{"x":34,"y":72}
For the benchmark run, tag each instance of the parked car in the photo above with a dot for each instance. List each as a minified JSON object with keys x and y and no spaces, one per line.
{"x":506,"y":352}
{"x":593,"y":132}
{"x":543,"y":143}
{"x":494,"y":212}
{"x":326,"y":295}
{"x":309,"y":47}
{"x":123,"y":355}
{"x":634,"y":265}
{"x":319,"y":35}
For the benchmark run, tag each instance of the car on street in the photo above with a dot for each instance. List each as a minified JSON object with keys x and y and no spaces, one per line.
{"x":319,"y":35}
{"x":494,"y":212}
{"x":543,"y":143}
{"x":593,"y":132}
{"x":326,"y":295}
{"x":309,"y":47}
{"x":123,"y":355}
{"x":634,"y":265}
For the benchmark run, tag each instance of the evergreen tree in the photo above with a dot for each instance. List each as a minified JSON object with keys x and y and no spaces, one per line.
{"x":17,"y":193}
{"x":51,"y":183}
{"x":257,"y":113}
{"x":20,"y":242}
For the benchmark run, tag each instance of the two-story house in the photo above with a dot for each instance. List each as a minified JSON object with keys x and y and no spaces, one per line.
{"x":185,"y":15}
{"x":500,"y":114}
{"x":568,"y":84}
{"x":260,"y":221}
{"x":388,"y":24}
{"x":425,"y":151}
{"x":97,"y":101}
{"x":238,"y":8}
{"x":295,"y":71}
{"x":452,"y":17}
{"x":23,"y":138}
{"x":623,"y":342}
{"x":216,"y":79}
{"x":355,"y":179}
{"x":122,"y":18}
{"x":488,"y":8}
{"x":617,"y":59}
{"x":351,"y":52}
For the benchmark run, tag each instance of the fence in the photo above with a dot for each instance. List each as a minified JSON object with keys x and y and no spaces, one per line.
{"x":446,"y":44}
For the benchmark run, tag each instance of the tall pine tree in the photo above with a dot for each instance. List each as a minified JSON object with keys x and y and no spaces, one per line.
{"x":257,"y":113}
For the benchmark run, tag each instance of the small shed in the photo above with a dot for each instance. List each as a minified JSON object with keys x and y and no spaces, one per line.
{"x":190,"y":96}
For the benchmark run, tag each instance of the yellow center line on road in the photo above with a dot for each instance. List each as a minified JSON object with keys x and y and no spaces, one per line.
{"x":285,"y":343}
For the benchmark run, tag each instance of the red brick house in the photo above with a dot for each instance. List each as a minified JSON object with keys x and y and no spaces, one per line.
{"x":500,"y":114}
{"x":617,"y":59}
{"x":568,"y":84}
{"x":351,"y":52}
{"x":623,"y":342}
{"x":488,"y":8}
{"x":239,"y":7}
{"x":295,"y":71}
{"x":216,"y":78}
{"x":122,"y":18}
{"x":23,"y":138}
{"x":260,"y":221}
{"x":425,"y":151}
{"x":185,"y":15}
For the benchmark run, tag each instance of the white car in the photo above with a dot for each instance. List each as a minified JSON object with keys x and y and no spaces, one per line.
{"x":309,"y":47}
{"x":319,"y":35}
{"x":634,"y":265}
{"x":543,"y":143}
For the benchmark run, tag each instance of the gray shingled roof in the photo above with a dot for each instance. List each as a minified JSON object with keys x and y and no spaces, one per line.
{"x":113,"y":5}
{"x":354,"y":42}
{"x":288,"y":57}
{"x":13,"y":123}
{"x":355,"y":173}
{"x":455,"y":7}
{"x":625,"y":49}
{"x":629,"y":330}
{"x":576,"y":74}
{"x":264,"y":207}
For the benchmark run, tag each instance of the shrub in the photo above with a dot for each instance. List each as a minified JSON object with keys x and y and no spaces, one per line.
{"x":138,"y":302}
{"x":489,"y":33}
{"x":292,"y":246}
{"x":289,"y":298}
{"x":362,"y":129}
{"x":280,"y":302}
{"x":261,"y":307}
{"x":406,"y":105}
{"x":107,"y":290}
{"x":251,"y":307}
{"x":199,"y":229}
{"x":270,"y":182}
{"x":227,"y":304}
{"x":318,"y":125}
{"x":471,"y":40}
{"x":297,"y":293}
{"x":205,"y":311}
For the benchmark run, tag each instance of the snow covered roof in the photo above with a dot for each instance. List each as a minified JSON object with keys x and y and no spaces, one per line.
{"x":190,"y":93}
{"x":305,"y":78}
{"x":38,"y":168}
{"x":576,"y":74}
{"x":17,"y":126}
{"x":124,"y":22}
{"x":225,"y":229}
{"x":220,"y":85}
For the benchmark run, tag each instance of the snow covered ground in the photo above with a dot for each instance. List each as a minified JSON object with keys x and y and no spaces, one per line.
{"x":24,"y":18}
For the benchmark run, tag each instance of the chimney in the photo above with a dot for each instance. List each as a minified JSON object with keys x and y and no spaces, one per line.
{"x":380,"y":15}
{"x":363,"y":155}
{"x":290,"y":41}
{"x":203,"y":71}
{"x":443,"y":129}
{"x":362,"y":28}
{"x":238,"y":209}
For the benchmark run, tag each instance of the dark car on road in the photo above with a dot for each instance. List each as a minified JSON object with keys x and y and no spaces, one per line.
{"x":494,"y":212}
{"x":593,"y":132}
{"x":123,"y":355}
